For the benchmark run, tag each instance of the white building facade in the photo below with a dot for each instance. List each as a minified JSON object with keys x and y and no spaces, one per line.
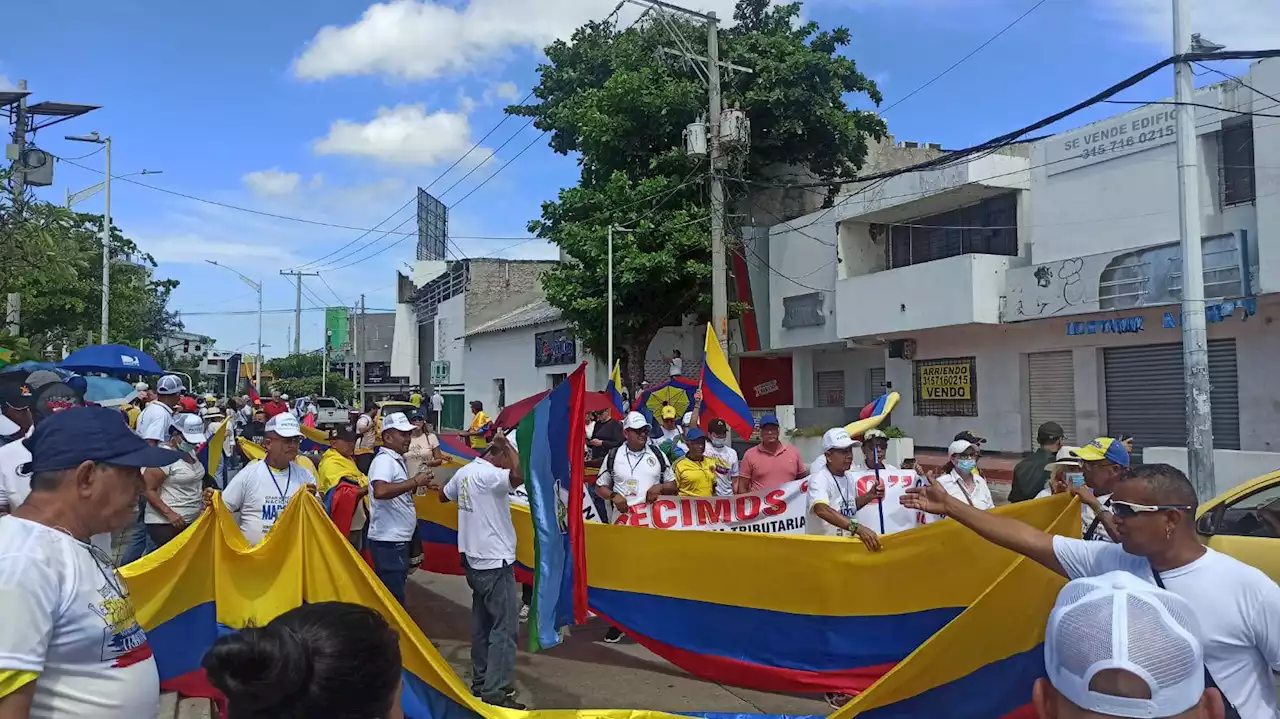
{"x":1043,"y":283}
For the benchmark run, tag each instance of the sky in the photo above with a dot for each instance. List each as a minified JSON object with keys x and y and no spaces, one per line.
{"x":334,"y":111}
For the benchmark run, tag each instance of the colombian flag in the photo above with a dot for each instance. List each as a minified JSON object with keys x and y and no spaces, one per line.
{"x":615,"y":390}
{"x":552,"y":437}
{"x":254,"y":397}
{"x":210,"y":453}
{"x":721,"y":396}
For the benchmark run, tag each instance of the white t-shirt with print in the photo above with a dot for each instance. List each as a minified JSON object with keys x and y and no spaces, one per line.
{"x":68,"y":618}
{"x":258,"y":494}
{"x":182,"y":490}
{"x":390,"y":520}
{"x":897,"y":518}
{"x":726,"y":467}
{"x":839,"y":493}
{"x":633,"y":474}
{"x":486,"y":536}
{"x":155,"y":421}
{"x":1238,"y":607}
{"x":15,"y":486}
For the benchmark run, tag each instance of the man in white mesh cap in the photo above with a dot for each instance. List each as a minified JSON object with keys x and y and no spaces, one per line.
{"x":1117,"y":646}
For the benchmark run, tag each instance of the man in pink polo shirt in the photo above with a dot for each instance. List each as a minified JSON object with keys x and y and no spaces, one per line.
{"x":771,"y":463}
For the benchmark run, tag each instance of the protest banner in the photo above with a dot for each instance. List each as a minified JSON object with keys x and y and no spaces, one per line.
{"x":778,"y":511}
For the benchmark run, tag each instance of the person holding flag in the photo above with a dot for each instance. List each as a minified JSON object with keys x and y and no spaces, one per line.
{"x":883,"y":485}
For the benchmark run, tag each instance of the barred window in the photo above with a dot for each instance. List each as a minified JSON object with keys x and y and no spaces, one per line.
{"x":946,"y":387}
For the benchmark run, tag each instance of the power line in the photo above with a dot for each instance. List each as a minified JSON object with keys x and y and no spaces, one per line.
{"x":961,"y":61}
{"x":330,"y":288}
{"x":1243,"y":84}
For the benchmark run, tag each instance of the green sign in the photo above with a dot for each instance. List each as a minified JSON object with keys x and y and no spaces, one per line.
{"x":335,"y":327}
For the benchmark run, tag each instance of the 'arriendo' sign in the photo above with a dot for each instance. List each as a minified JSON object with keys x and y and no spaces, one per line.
{"x":945,"y":380}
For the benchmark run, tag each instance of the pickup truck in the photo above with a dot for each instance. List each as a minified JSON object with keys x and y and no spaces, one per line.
{"x":332,"y":413}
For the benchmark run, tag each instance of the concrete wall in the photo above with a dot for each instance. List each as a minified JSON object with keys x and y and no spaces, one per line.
{"x":1231,"y":468}
{"x":508,"y":355}
{"x":1000,"y":352}
{"x":954,"y":291}
{"x":451,"y":329}
{"x":500,"y":286}
{"x":1265,"y":75}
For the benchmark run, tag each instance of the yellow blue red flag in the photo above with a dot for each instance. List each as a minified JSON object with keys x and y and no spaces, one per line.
{"x":615,"y":390}
{"x":721,"y":396}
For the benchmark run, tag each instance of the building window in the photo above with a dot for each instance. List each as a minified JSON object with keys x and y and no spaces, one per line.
{"x":1237,"y":176}
{"x":554,"y":380}
{"x":500,"y":391}
{"x":946,"y":387}
{"x":828,"y":389}
{"x":989,"y":228}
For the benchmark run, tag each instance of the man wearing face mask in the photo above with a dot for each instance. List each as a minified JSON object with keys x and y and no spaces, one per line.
{"x":1106,"y":461}
{"x":1028,"y":476}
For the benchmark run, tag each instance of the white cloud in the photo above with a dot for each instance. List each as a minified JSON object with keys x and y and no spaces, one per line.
{"x":195,"y":248}
{"x":501,"y":91}
{"x":403,"y":135}
{"x":7,"y":84}
{"x":422,"y":39}
{"x":466,"y":104}
{"x":1238,"y":24}
{"x":271,"y":183}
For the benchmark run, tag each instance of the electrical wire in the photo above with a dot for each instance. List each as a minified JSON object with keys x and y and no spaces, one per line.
{"x":961,"y":61}
{"x":330,"y":288}
{"x":1242,"y":83}
{"x":1144,"y":103}
{"x":89,"y":154}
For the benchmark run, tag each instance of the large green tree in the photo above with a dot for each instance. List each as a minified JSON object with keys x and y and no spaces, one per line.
{"x":610,"y":97}
{"x":52,"y":257}
{"x":298,"y":375}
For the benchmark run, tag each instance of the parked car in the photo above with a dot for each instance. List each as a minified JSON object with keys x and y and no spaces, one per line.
{"x":1244,"y":522}
{"x":332,"y":412}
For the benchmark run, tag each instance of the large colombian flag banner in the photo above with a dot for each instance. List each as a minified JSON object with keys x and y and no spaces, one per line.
{"x":551,"y":439}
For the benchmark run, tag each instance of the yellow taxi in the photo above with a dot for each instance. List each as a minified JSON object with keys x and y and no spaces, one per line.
{"x":389,"y":407}
{"x":1244,"y":522}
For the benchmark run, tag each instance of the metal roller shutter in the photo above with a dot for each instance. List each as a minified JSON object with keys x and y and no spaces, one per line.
{"x":875,"y":383}
{"x":1051,"y":380}
{"x":1146,"y":399}
{"x":828,"y":389}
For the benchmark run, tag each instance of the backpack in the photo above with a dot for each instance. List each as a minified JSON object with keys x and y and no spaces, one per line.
{"x":662,"y":459}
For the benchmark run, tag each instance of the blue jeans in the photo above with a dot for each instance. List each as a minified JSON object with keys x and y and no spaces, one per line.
{"x":139,"y":542}
{"x":391,"y":564}
{"x":494,"y":619}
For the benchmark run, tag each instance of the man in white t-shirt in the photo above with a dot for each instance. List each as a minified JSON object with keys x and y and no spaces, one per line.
{"x":720,"y":449}
{"x":70,"y":645}
{"x":157,"y":416}
{"x":884,"y":486}
{"x":259,"y":492}
{"x":437,"y":408}
{"x":630,"y":470}
{"x":487,"y":541}
{"x":1155,"y":507}
{"x":392,"y":516}
{"x":675,"y":364}
{"x":833,"y":493}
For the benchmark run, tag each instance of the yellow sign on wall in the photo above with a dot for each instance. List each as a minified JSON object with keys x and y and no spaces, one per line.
{"x":946,"y":380}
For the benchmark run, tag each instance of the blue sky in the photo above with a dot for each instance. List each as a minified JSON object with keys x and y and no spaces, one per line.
{"x":334,"y":110}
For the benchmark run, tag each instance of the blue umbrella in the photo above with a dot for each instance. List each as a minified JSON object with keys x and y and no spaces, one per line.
{"x":108,"y":391}
{"x":112,"y":359}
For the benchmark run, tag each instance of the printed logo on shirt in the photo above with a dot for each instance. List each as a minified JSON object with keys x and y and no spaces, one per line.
{"x":123,"y":641}
{"x":464,"y":495}
{"x":272,"y":505}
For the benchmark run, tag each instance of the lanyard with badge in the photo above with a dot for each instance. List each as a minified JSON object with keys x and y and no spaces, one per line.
{"x":288,"y":482}
{"x":846,"y":509}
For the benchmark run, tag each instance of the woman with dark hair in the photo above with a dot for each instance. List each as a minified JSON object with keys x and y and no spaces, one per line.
{"x":329,"y":659}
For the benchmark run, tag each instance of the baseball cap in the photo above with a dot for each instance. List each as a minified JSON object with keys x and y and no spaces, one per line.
{"x":141,"y":386}
{"x":635,"y":420}
{"x":286,"y":425}
{"x":42,"y":377}
{"x":16,"y":394}
{"x":970,"y":437}
{"x":188,"y":404}
{"x":718,"y":427}
{"x":874,"y":434}
{"x":770,"y":419}
{"x":960,"y":446}
{"x":668,"y":412}
{"x":1112,"y":450}
{"x":169,"y":384}
{"x":1066,"y":459}
{"x":345,"y":434}
{"x":396,"y":420}
{"x":1119,"y":622}
{"x":90,"y":434}
{"x":694,"y":433}
{"x":191,"y":427}
{"x":1049,"y":431}
{"x":837,"y":438}
{"x":284,"y":396}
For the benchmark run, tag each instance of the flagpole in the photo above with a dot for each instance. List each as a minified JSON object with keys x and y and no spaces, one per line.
{"x":875,"y":458}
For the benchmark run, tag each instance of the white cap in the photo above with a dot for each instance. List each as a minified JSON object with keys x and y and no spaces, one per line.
{"x":960,"y":446}
{"x":634,"y":420}
{"x":169,"y":384}
{"x":191,"y":427}
{"x":284,"y":396}
{"x":1117,"y":621}
{"x":284,"y":425}
{"x":396,"y":420}
{"x":1066,"y":459}
{"x":141,"y":386}
{"x":837,"y":438}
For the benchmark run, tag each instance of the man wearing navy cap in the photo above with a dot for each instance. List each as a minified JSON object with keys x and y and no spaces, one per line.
{"x":770,"y":464}
{"x":69,"y":644}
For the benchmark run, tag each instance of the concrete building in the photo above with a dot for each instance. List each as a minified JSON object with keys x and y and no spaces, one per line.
{"x":1042,"y":283}
{"x":375,"y":333}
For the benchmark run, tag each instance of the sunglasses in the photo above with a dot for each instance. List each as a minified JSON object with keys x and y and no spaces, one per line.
{"x":1126,"y":510}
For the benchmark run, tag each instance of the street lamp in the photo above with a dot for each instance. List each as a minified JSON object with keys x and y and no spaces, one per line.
{"x":75,"y":198}
{"x":106,"y":228}
{"x":256,"y":287}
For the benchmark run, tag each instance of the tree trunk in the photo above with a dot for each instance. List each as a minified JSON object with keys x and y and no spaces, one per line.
{"x":635,"y":350}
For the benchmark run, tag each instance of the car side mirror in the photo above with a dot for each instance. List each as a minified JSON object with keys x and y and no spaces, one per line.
{"x":1205,"y":525}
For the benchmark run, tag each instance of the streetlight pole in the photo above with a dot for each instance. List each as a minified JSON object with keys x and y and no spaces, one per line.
{"x":256,"y":287}
{"x":106,"y":229}
{"x":75,"y":198}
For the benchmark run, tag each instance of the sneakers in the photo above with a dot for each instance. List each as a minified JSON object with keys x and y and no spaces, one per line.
{"x":509,"y":693}
{"x":524,"y":612}
{"x":509,"y":703}
{"x":613,"y":636}
{"x":836,"y":699}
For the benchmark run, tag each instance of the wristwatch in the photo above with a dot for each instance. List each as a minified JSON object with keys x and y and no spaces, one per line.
{"x":853,"y":526}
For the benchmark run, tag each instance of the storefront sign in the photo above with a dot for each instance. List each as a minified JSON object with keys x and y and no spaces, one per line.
{"x":1213,"y":314}
{"x":780,"y":511}
{"x":766,"y":381}
{"x":803,"y":311}
{"x":553,"y":348}
{"x":945,"y":380}
{"x":1113,"y":326}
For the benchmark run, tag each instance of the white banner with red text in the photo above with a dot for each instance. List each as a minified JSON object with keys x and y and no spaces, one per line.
{"x":778,"y":511}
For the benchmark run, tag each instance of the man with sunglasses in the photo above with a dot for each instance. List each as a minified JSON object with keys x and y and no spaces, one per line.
{"x":259,"y":492}
{"x":1154,"y":505}
{"x":70,"y":645}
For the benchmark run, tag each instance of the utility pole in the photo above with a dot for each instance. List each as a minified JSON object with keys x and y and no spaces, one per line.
{"x":20,"y":139}
{"x":719,"y":289}
{"x":360,"y":332}
{"x":297,"y":307}
{"x":106,"y":244}
{"x":1195,"y":349}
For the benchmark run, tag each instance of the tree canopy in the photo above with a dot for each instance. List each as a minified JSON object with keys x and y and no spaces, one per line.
{"x":298,"y":375}
{"x":52,"y":257}
{"x":608,"y":96}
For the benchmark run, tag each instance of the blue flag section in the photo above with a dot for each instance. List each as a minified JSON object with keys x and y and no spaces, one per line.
{"x":551,"y":438}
